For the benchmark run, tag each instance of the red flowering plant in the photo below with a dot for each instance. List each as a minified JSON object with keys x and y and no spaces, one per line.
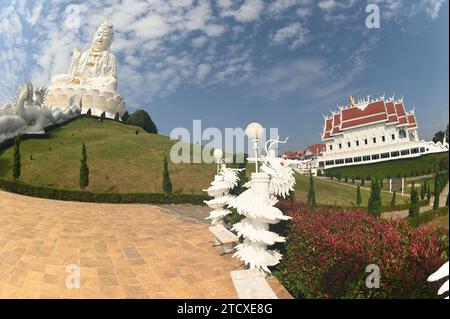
{"x":327,"y":252}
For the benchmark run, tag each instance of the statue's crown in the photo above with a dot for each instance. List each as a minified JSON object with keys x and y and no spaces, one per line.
{"x":107,"y":25}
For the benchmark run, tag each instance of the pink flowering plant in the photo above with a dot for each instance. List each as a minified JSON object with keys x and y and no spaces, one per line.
{"x":327,"y":252}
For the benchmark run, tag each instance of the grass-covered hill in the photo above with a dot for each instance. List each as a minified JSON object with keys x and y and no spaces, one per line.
{"x":119,"y":160}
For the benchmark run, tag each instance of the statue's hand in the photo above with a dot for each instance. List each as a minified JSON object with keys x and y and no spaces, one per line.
{"x":77,"y":53}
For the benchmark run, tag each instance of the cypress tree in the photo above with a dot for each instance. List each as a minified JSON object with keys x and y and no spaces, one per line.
{"x":346,"y":179}
{"x":428,"y":192}
{"x":311,"y":193}
{"x":358,"y":196}
{"x":167,"y":183}
{"x":374,"y":206}
{"x":89,"y":112}
{"x":394,"y":200}
{"x":353,"y":180}
{"x":84,"y":169}
{"x":362,"y":181}
{"x":422,"y":190}
{"x":414,"y":207}
{"x":117,"y":117}
{"x":437,"y":191}
{"x":381,"y":183}
{"x":17,"y":166}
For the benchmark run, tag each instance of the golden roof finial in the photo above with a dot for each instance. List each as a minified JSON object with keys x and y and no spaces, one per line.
{"x":351,"y":100}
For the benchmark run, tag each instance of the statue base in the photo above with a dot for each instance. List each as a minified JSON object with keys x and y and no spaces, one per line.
{"x":96,"y":100}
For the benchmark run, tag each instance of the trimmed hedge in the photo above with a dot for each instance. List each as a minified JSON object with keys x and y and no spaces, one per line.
{"x":114,"y":198}
{"x":426,"y":217}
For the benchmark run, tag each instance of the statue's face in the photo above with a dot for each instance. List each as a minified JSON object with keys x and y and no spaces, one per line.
{"x":102,"y":40}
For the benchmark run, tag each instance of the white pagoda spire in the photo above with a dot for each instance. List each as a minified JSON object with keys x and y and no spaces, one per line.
{"x":225,"y":180}
{"x":257,"y":205}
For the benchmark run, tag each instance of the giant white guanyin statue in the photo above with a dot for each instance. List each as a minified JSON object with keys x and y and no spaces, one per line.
{"x":92,"y":77}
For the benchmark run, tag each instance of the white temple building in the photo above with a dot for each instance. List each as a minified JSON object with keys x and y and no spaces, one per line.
{"x":369,"y":131}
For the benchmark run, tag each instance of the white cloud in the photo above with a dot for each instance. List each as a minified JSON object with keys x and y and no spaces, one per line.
{"x":249,"y":11}
{"x":432,"y":7}
{"x":202,"y":71}
{"x":200,"y":41}
{"x":327,"y":5}
{"x":162,"y":45}
{"x":293,"y":33}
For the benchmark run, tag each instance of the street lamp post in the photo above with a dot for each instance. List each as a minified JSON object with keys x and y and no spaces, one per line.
{"x":255,"y":132}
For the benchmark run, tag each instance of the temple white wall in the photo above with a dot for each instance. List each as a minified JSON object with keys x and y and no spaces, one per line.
{"x":367,"y":137}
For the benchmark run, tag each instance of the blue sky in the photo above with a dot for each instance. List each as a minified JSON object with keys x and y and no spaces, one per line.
{"x":281,"y":62}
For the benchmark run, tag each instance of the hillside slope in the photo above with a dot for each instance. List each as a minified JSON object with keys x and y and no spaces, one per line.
{"x":119,"y":160}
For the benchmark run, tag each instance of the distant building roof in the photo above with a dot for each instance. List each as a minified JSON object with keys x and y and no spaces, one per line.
{"x":365,"y":113}
{"x":315,"y":149}
{"x":290,"y":155}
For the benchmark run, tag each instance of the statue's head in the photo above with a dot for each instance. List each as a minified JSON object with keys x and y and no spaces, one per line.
{"x":104,"y":37}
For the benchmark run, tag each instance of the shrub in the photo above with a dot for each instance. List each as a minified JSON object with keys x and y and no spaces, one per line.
{"x":374,"y":206}
{"x":311,"y":192}
{"x":125,"y":117}
{"x":142,"y":119}
{"x":89,"y":112}
{"x":346,"y":179}
{"x":103,"y":115}
{"x":358,"y":196}
{"x":17,"y":166}
{"x":114,"y":198}
{"x":437,"y":191}
{"x":117,"y":117}
{"x":84,"y":169}
{"x":353,"y":180}
{"x":422,"y":190}
{"x":327,"y":253}
{"x":394,"y":200}
{"x":362,"y":181}
{"x":167,"y":183}
{"x":414,"y":208}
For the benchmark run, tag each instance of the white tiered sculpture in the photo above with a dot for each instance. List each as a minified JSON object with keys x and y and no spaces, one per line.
{"x":92,"y":77}
{"x":225,"y":180}
{"x":257,"y":205}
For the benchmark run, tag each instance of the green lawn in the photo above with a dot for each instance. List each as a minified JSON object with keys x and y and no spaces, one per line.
{"x":122,"y":162}
{"x":423,"y":165}
{"x":334,"y":193}
{"x":118,"y":159}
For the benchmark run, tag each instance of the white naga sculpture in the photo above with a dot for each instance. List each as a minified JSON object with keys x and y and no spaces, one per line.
{"x":441,"y":273}
{"x":92,"y":76}
{"x":225,"y":180}
{"x":257,"y":205}
{"x":29,"y":116}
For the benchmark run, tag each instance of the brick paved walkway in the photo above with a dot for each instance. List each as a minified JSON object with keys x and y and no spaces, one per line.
{"x":124,"y":251}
